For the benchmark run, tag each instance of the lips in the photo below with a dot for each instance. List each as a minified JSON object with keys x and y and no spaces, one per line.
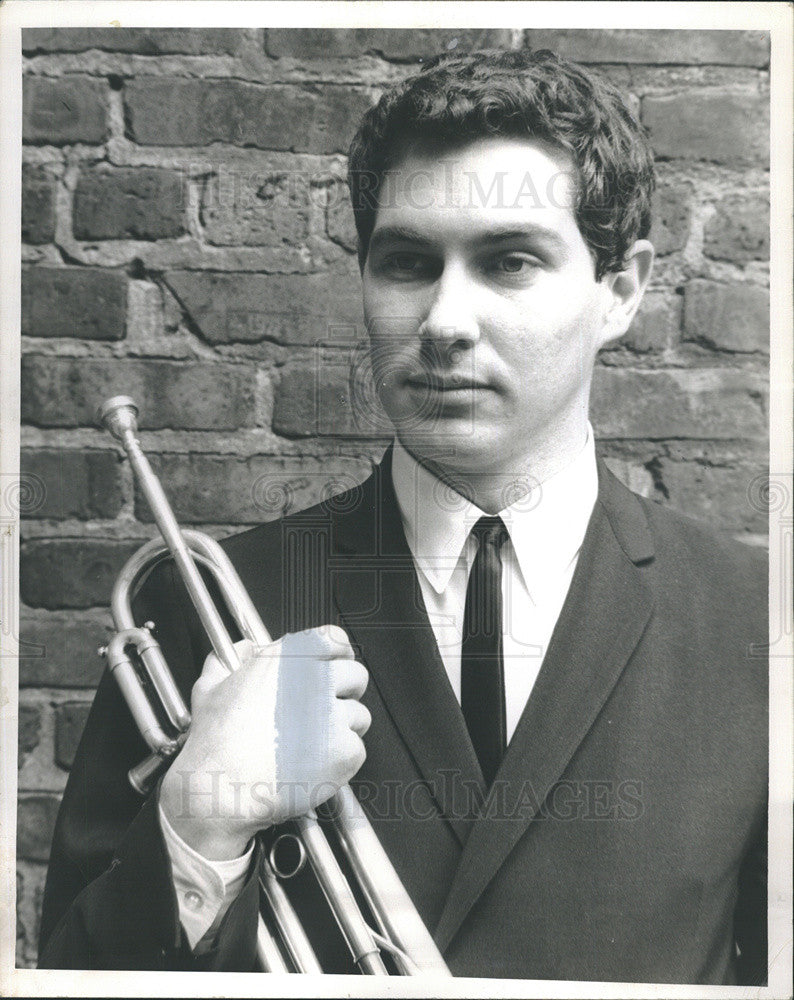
{"x":427,"y":381}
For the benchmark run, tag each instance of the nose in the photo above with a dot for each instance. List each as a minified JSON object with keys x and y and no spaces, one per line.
{"x":451,"y":317}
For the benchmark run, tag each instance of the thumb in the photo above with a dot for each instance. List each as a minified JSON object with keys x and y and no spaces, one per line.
{"x":212,"y":673}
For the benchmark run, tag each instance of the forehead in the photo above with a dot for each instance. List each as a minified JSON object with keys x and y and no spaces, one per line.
{"x":502,"y":182}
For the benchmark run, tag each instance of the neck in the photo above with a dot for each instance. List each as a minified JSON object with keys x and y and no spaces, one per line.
{"x":498,"y":487}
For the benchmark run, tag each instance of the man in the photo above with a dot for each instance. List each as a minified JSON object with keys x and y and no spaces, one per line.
{"x":564,"y":750}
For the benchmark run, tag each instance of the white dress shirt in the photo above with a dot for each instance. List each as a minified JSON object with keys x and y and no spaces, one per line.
{"x":546,"y":527}
{"x":204,"y":889}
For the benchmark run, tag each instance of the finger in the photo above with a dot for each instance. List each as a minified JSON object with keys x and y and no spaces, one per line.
{"x":358,"y":716}
{"x":325,"y":643}
{"x":334,"y":633}
{"x":355,"y":755}
{"x":250,"y":653}
{"x":212,"y":673}
{"x":333,"y":639}
{"x":247,"y":651}
{"x":350,"y":678}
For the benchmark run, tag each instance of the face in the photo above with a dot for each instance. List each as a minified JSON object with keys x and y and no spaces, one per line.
{"x":483,"y":310}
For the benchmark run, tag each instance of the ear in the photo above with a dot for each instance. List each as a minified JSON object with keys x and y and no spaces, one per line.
{"x":625,"y":290}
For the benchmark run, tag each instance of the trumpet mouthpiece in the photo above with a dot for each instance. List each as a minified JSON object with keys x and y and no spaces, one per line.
{"x":118,"y":415}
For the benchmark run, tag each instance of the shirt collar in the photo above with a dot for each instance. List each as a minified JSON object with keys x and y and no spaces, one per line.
{"x":546,"y":526}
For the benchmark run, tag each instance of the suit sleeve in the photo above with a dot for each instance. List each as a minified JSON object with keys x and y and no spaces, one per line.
{"x":109,"y":901}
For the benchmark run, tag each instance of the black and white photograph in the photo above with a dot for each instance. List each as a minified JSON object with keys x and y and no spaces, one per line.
{"x":396,"y":499}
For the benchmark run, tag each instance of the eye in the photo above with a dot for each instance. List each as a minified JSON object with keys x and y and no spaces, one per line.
{"x":516,"y":263}
{"x":404,"y":261}
{"x":405,"y":264}
{"x":511,"y":268}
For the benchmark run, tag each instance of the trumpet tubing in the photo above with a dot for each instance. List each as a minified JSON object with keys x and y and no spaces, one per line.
{"x":134,"y":653}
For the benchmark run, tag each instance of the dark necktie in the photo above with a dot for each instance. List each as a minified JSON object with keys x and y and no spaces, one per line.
{"x":482,"y":669}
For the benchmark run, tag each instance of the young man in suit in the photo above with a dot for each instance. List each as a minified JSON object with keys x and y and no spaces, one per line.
{"x":564,"y":750}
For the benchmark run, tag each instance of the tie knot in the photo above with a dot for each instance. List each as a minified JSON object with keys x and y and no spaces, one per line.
{"x":490,"y":530}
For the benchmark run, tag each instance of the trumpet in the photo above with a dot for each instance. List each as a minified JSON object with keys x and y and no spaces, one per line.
{"x":137,"y":662}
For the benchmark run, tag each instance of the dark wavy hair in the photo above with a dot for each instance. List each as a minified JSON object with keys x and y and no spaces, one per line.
{"x":456,"y":99}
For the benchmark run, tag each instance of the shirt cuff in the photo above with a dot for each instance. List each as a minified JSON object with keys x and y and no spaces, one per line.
{"x":204,"y":889}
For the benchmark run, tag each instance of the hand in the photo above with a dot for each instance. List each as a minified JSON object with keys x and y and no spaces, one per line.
{"x":268,"y":742}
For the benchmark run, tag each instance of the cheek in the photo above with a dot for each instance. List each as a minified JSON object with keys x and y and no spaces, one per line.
{"x":381,"y":355}
{"x":383,"y":301}
{"x":394,"y":309}
{"x":571,"y":299}
{"x":390,"y":318}
{"x":562,"y":325}
{"x":548,"y":356}
{"x":392,"y":345}
{"x":392,"y":333}
{"x":370,"y":302}
{"x":390,"y":360}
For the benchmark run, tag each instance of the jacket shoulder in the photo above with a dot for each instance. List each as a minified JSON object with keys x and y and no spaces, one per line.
{"x":683,"y":540}
{"x":286,"y":564}
{"x":267,"y":540}
{"x":711,"y":589}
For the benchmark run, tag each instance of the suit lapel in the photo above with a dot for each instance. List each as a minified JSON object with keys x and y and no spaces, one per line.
{"x":377,"y":593}
{"x":590,"y":646}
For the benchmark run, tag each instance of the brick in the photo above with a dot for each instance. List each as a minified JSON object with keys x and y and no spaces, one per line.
{"x":739,"y":230}
{"x":717,"y":494}
{"x":720,"y":126}
{"x":38,"y":206}
{"x":82,"y":302}
{"x":70,"y":109}
{"x":655,"y":46}
{"x":142,"y":41}
{"x":631,"y":474}
{"x":70,"y":720}
{"x":71,"y":572}
{"x":65,"y":392}
{"x":129,"y":203}
{"x":731,"y":317}
{"x":60,"y":650}
{"x":657,"y":324}
{"x":285,"y":308}
{"x":297,"y":407}
{"x":390,"y":43}
{"x":230,"y":490}
{"x":670,"y":215}
{"x":267,"y":207}
{"x":29,"y":731}
{"x":701,"y":404}
{"x":280,"y":117}
{"x":36,"y":825}
{"x":71,"y":483}
{"x":327,"y":398}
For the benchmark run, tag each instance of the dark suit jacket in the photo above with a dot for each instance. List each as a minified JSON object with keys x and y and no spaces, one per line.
{"x":625,"y":836}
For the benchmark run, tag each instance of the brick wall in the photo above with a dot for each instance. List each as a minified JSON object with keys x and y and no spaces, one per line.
{"x":187,"y":240}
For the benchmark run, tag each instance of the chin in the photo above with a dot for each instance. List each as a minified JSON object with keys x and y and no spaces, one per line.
{"x":454,"y":449}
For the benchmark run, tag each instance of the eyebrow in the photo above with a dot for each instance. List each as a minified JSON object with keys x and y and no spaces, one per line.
{"x":404,"y":234}
{"x":398,"y":234}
